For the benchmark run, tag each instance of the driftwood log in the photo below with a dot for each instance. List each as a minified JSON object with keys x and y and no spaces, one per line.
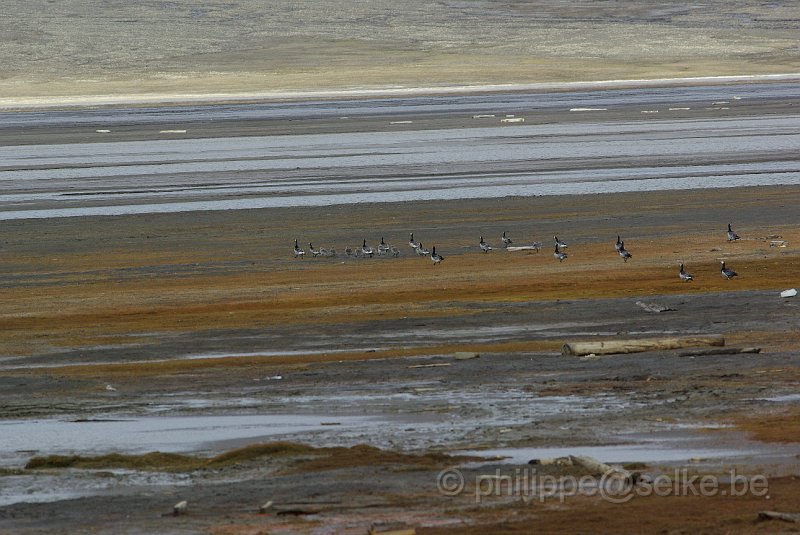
{"x":180,"y":508}
{"x":264,"y":508}
{"x":592,"y":465}
{"x":775,"y":515}
{"x":610,"y":347}
{"x":392,"y":528}
{"x":514,"y":248}
{"x":719,"y":351}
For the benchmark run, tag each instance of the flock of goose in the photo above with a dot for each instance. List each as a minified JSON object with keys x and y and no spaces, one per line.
{"x":384,"y":249}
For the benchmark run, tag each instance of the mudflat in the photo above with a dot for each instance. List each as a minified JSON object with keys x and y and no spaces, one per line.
{"x":203,"y":314}
{"x":72,"y":282}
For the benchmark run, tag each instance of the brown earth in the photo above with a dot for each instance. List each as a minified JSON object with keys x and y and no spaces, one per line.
{"x":674,"y":514}
{"x":782,"y":425}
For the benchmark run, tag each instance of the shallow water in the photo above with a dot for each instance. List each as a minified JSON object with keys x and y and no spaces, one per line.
{"x":46,"y":487}
{"x":675,"y":443}
{"x":22,"y":439}
{"x":417,"y":428}
{"x":786,"y":398}
{"x":648,"y":453}
{"x":232,"y":173}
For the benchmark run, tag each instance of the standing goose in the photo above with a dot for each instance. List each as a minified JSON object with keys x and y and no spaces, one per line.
{"x":559,"y":255}
{"x":559,"y":243}
{"x":732,"y":236}
{"x":436,"y":258}
{"x":624,"y":252}
{"x":366,"y":250}
{"x":412,"y":243}
{"x":314,"y":252}
{"x":506,"y":241}
{"x":685,"y":277}
{"x":298,"y":251}
{"x":485,"y":247}
{"x":421,"y":250}
{"x":728,"y":273}
{"x":618,"y":245}
{"x":383,"y":247}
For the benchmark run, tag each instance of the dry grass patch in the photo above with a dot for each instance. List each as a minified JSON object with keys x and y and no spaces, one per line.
{"x":306,"y":459}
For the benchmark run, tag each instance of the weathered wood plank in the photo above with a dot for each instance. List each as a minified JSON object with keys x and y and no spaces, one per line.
{"x":610,"y":347}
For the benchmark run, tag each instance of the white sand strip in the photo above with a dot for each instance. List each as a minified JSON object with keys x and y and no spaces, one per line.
{"x":195,"y":98}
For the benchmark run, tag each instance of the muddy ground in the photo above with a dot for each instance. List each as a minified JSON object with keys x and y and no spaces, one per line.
{"x":168,"y":309}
